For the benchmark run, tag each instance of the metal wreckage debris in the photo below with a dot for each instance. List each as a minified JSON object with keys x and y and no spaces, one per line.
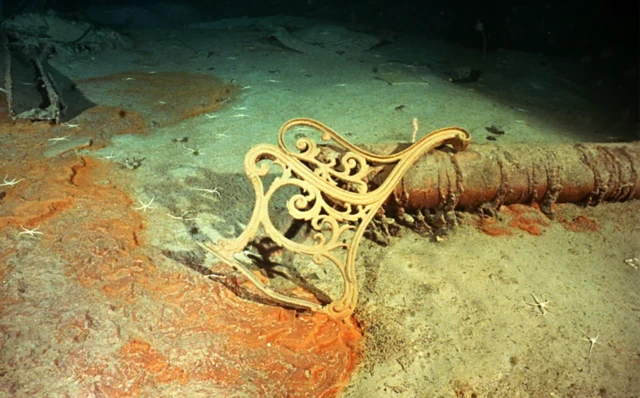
{"x":35,"y":90}
{"x":30,"y":91}
{"x":489,"y":175}
{"x":339,"y":188}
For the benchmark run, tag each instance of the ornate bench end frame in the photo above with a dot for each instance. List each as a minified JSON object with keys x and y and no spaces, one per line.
{"x":335,"y":196}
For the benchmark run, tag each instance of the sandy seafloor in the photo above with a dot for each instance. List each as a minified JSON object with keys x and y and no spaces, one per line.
{"x":445,"y":318}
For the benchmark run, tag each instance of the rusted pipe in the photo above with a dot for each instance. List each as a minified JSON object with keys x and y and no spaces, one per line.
{"x":491,"y":175}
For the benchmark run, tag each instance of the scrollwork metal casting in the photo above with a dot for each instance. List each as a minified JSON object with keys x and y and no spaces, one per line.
{"x":335,"y":196}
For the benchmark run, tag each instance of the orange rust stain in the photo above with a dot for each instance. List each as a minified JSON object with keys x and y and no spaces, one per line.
{"x":147,"y":361}
{"x":90,"y":224}
{"x":490,"y":226}
{"x":42,"y":212}
{"x":528,"y":218}
{"x":121,"y":289}
{"x":32,"y":200}
{"x":527,"y":223}
{"x":107,"y":121}
{"x":259,"y":341}
{"x":164,"y":98}
{"x":512,"y":218}
{"x":145,"y":366}
{"x":580,"y":224}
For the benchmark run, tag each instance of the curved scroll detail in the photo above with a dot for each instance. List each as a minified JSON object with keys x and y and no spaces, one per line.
{"x":335,"y":196}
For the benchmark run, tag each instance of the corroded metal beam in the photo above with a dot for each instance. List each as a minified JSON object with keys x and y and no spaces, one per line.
{"x":489,"y":175}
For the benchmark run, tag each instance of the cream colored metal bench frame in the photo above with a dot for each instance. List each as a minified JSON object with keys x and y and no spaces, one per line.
{"x":335,"y":196}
